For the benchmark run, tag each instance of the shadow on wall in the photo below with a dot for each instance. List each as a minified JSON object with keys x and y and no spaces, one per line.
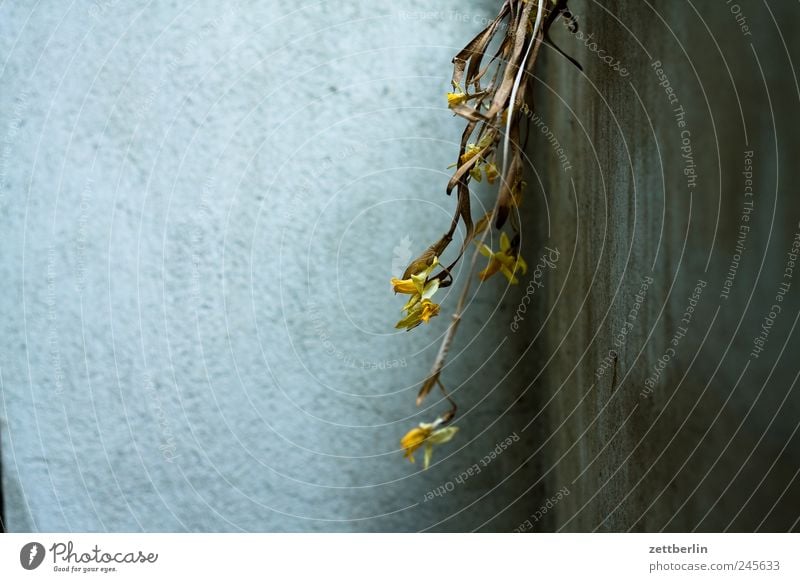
{"x":669,"y":386}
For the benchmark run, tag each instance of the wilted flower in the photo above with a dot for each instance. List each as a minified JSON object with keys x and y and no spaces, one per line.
{"x":454,"y":99}
{"x":419,"y":307}
{"x":403,"y":285}
{"x":421,"y":311}
{"x":415,"y":438}
{"x":494,"y":112}
{"x":472,"y":149}
{"x":469,"y":152}
{"x":415,"y":284}
{"x":491,"y":173}
{"x":426,"y":434}
{"x":505,"y":261}
{"x":475,"y":172}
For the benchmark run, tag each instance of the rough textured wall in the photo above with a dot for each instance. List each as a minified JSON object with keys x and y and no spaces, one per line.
{"x":662,"y":412}
{"x":201,"y":210}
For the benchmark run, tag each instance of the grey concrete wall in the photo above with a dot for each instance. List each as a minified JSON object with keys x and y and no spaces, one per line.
{"x":201,"y":210}
{"x":711,"y":442}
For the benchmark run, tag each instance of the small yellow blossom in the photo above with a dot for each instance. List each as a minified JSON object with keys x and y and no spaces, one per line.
{"x":475,"y":172}
{"x":426,"y":434}
{"x":429,"y":309}
{"x":403,"y":285}
{"x":414,"y":439}
{"x":416,"y":282}
{"x":504,"y":261}
{"x":419,"y":307}
{"x":491,"y":173}
{"x":472,"y":149}
{"x":469,"y":152}
{"x":420,"y":312}
{"x":454,"y":99}
{"x":428,"y":291}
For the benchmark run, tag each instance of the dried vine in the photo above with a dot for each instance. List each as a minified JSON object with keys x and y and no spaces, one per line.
{"x":491,"y":97}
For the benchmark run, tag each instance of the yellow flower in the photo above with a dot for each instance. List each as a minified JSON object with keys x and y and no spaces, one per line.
{"x":504,"y":261}
{"x":515,"y":199}
{"x":470,"y":152}
{"x":472,"y":149}
{"x":403,"y":285}
{"x":426,"y":434}
{"x":414,"y":439}
{"x":415,"y":283}
{"x":429,"y":309}
{"x":420,"y":311}
{"x":491,"y":173}
{"x":419,"y":307}
{"x":475,"y":172}
{"x":454,"y":99}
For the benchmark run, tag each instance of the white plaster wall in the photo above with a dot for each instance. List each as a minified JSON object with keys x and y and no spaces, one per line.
{"x":200,"y":209}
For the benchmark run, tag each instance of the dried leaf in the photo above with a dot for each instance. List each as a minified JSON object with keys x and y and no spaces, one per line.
{"x":425,"y":259}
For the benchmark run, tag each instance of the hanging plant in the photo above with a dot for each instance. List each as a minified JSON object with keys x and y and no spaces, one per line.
{"x":491,"y":97}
